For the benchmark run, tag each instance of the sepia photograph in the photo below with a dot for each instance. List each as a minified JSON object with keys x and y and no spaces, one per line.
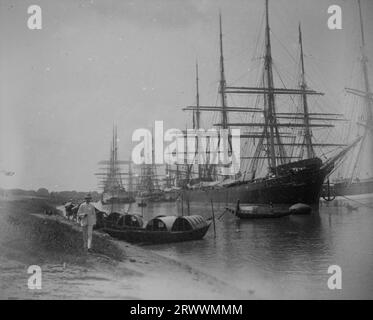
{"x":203,"y":151}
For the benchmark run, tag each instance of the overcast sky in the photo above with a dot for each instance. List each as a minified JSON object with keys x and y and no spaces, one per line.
{"x":95,"y":63}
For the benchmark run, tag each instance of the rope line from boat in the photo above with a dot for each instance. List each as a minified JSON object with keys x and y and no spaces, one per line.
{"x":224,"y":212}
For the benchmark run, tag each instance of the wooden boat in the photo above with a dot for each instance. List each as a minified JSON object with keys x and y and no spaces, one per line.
{"x":282,"y":170}
{"x":356,"y":177}
{"x":118,"y":220}
{"x":162,"y":229}
{"x":262,"y":211}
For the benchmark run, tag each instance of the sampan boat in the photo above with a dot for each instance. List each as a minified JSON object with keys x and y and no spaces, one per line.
{"x":257,"y":211}
{"x":162,"y":229}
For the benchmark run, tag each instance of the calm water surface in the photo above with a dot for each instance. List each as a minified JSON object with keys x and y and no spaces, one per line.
{"x":281,"y":258}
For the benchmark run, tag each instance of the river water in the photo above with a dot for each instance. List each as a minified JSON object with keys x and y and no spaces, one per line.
{"x":281,"y":258}
{"x":286,"y":258}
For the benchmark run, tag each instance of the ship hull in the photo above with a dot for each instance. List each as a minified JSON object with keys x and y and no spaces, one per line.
{"x":124,"y":197}
{"x":354,"y":188}
{"x":302,"y":187}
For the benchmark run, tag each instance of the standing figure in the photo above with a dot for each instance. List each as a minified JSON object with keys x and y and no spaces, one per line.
{"x":69,"y":209}
{"x":87,"y":218}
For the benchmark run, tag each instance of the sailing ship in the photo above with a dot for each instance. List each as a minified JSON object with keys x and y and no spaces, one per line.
{"x":148,"y":188}
{"x":356,"y":177}
{"x":111,"y":177}
{"x":154,"y":186}
{"x":284,"y":167}
{"x":170,"y":189}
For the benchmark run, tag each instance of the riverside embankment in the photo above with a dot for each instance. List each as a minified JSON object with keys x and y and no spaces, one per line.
{"x":116,"y":270}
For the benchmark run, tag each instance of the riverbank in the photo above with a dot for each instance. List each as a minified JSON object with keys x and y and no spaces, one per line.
{"x":116,"y":270}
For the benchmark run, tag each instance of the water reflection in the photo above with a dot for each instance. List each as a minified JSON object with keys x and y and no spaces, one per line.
{"x":280,"y":258}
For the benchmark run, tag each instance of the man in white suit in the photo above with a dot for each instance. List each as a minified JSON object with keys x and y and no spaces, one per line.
{"x":87,"y":218}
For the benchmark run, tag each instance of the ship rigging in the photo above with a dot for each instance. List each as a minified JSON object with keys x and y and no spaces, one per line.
{"x":283,"y":139}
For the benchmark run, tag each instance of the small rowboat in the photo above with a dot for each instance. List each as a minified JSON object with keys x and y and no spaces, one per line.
{"x":162,"y":229}
{"x":259,"y":211}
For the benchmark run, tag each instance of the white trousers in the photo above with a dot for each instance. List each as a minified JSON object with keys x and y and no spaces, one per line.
{"x":87,"y":236}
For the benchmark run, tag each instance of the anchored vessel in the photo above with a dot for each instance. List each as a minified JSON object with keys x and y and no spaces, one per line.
{"x":357,"y":175}
{"x":161,"y":229}
{"x":155,"y":187}
{"x":111,"y":177}
{"x":148,"y":187}
{"x":282,"y":166}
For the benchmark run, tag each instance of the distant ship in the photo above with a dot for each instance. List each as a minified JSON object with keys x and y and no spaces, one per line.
{"x":357,"y":176}
{"x":283,"y":166}
{"x":171,"y":190}
{"x":111,"y":177}
{"x":155,"y":187}
{"x":148,"y":189}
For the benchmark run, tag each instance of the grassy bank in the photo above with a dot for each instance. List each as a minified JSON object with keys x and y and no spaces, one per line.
{"x":125,"y":271}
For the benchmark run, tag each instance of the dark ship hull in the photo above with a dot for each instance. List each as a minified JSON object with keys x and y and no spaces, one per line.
{"x":118,"y":200}
{"x":354,"y":188}
{"x":124,"y":197}
{"x":153,"y":237}
{"x":300,"y":186}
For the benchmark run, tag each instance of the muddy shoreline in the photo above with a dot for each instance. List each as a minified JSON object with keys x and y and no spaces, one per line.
{"x":116,"y":269}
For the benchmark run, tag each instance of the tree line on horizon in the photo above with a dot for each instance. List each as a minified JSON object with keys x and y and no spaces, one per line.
{"x":55,"y":196}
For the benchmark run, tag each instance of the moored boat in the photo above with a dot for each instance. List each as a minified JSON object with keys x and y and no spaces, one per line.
{"x":162,"y":229}
{"x":259,"y":211}
{"x":351,"y":188}
{"x":119,"y":220}
{"x":282,"y":159}
{"x":355,"y":178}
{"x":111,"y":177}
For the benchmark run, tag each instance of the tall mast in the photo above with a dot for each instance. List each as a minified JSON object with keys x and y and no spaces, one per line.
{"x":115,"y":144}
{"x":270,"y":101}
{"x":198,"y":112}
{"x":270,"y":143}
{"x":118,"y":177}
{"x":223,"y":83}
{"x":130,"y":177}
{"x":198,"y":119}
{"x":113,"y":157}
{"x":367,"y":94}
{"x":307,"y":129}
{"x":364,"y":63}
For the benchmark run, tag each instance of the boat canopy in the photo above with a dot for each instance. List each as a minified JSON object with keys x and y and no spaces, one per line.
{"x":161,"y":223}
{"x":131,"y":220}
{"x":113,"y":217}
{"x":189,"y":223}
